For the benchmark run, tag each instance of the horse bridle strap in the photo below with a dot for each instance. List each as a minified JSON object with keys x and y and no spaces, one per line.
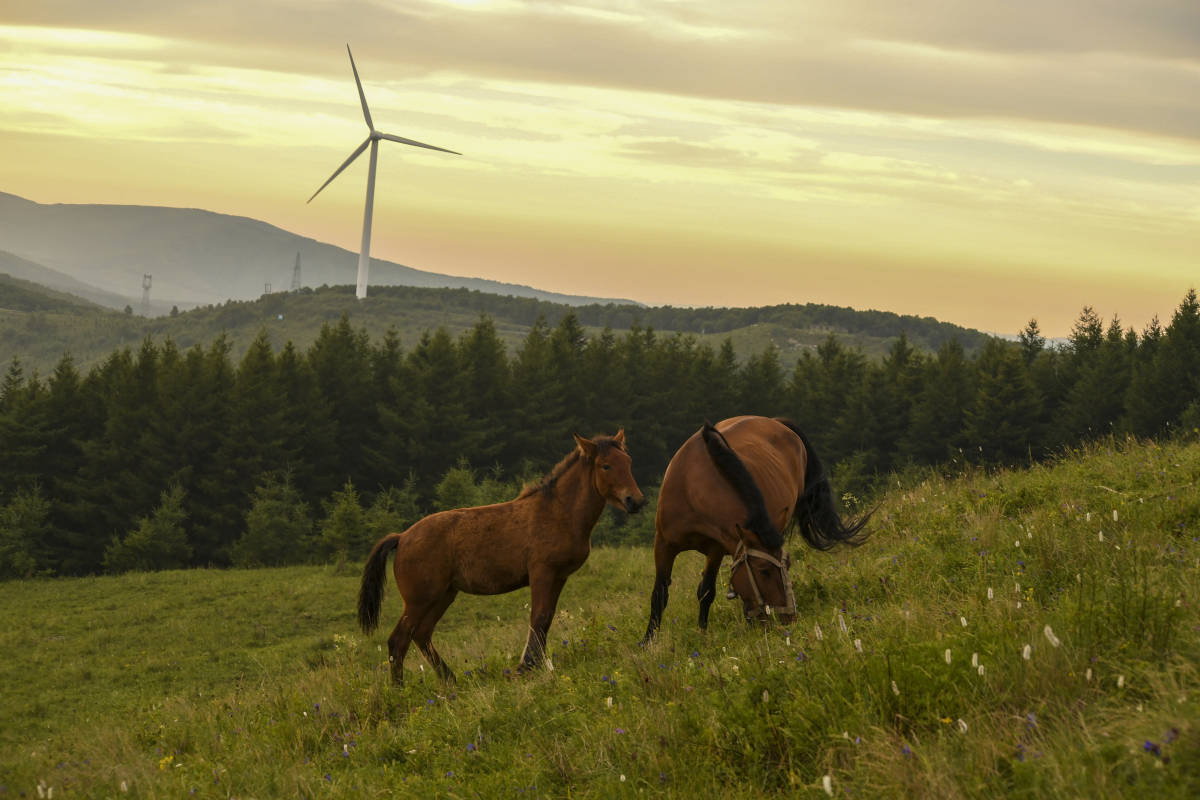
{"x":742,"y":556}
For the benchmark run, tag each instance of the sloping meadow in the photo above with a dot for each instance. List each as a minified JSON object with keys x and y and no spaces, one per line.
{"x":1028,"y":633}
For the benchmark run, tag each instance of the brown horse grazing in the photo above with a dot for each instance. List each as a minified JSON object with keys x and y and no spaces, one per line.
{"x":730,"y":490}
{"x":537,"y":540}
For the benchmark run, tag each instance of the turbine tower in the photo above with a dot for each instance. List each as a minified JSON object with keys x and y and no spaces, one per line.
{"x":364,"y":256}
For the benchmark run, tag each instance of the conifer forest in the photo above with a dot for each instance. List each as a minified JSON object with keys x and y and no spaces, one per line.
{"x":161,"y":457}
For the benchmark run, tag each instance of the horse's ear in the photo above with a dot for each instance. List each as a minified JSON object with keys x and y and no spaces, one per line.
{"x":586,"y":445}
{"x":620,"y":437}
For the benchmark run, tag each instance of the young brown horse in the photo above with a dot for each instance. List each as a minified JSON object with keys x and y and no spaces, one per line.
{"x":537,"y":540}
{"x":730,"y":490}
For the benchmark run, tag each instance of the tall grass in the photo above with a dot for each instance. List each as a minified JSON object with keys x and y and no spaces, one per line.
{"x":987,"y":642}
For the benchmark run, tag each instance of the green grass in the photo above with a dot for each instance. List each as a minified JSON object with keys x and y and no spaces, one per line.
{"x":257,"y":684}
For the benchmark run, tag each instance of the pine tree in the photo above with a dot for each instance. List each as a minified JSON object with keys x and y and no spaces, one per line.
{"x":1002,"y":424}
{"x":1163,"y":389}
{"x":278,"y":527}
{"x":24,"y":529}
{"x":344,"y":529}
{"x":939,"y":415}
{"x":762,"y":388}
{"x":157,"y":542}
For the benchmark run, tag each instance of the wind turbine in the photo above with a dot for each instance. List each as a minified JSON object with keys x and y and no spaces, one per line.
{"x":364,"y":256}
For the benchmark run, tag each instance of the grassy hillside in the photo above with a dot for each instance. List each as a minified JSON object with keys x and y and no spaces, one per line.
{"x":40,"y":340}
{"x":987,"y":642}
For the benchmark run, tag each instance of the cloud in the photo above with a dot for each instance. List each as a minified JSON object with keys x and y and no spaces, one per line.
{"x":1132,"y":65}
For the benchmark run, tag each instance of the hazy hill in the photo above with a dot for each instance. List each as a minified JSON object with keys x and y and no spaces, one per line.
{"x":21,"y":295}
{"x":199,"y":256}
{"x":39,"y":339}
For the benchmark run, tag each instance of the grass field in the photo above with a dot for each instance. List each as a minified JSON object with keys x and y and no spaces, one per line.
{"x":989,"y":641}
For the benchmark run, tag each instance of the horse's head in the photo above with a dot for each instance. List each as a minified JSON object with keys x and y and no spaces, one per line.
{"x":611,"y":470}
{"x":760,"y":578}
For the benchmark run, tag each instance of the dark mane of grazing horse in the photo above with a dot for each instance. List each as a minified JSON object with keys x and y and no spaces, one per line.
{"x":733,"y":470}
{"x":546,"y":485}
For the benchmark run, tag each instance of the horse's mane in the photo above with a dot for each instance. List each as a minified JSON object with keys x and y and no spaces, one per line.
{"x":546,"y":485}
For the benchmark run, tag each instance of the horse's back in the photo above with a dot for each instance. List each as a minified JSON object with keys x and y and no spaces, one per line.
{"x":696,"y":499}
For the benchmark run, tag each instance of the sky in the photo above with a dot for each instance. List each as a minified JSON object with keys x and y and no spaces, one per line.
{"x":979,"y":161}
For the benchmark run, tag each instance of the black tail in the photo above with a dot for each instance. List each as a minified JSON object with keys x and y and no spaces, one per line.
{"x":370,"y":594}
{"x":733,"y":470}
{"x":816,"y":511}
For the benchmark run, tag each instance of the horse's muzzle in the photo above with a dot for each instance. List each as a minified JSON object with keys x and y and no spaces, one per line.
{"x":634,"y":506}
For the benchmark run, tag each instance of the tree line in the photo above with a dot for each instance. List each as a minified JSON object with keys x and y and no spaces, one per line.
{"x":161,"y":456}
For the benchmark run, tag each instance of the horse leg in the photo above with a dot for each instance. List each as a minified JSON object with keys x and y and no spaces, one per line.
{"x":424,"y":636}
{"x":664,"y":563}
{"x":544,"y":591}
{"x":706,"y":592}
{"x":402,"y":636}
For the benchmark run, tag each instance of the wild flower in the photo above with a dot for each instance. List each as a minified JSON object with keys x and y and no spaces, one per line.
{"x":827,"y":784}
{"x":974,"y":659}
{"x":947,"y":655}
{"x":766,"y":696}
{"x":895,"y":689}
{"x":1114,"y":515}
{"x":816,"y":628}
{"x":345,"y":751}
{"x":1102,"y":536}
{"x":1050,"y":637}
{"x":124,"y":786}
{"x":622,"y":779}
{"x":1027,"y":652}
{"x":470,"y":746}
{"x":858,"y":645}
{"x":1120,"y":681}
{"x":842,"y":622}
{"x":1018,"y":588}
{"x":990,"y":595}
{"x":1088,"y":676}
{"x":981,"y":670}
{"x":608,"y":702}
{"x":906,"y":751}
{"x":621,"y":730}
{"x":963,"y":620}
{"x":962,"y":726}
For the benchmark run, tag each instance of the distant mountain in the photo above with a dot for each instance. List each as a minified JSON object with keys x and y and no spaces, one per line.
{"x":199,"y":256}
{"x":52,"y":280}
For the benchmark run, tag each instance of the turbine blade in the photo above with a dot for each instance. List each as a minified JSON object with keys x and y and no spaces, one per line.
{"x":361,"y":96}
{"x":402,"y":140}
{"x":347,"y":163}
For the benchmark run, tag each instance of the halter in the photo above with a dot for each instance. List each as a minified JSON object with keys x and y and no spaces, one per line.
{"x":761,"y":609}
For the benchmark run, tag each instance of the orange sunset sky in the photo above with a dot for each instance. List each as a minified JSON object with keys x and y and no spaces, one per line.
{"x":980,"y":162}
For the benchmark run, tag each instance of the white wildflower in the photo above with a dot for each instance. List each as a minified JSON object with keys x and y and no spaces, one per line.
{"x":622,"y":779}
{"x":947,"y":656}
{"x":962,"y":726}
{"x":974,"y":659}
{"x":1088,"y":676}
{"x":895,"y":689}
{"x":858,"y":645}
{"x":41,"y":790}
{"x":1018,"y":604}
{"x":124,"y":786}
{"x":1018,"y":588}
{"x":766,"y":696}
{"x":789,"y":641}
{"x":1050,"y":637}
{"x":1102,"y":536}
{"x":1027,"y":652}
{"x":990,"y":595}
{"x":827,"y":783}
{"x":1017,"y":543}
{"x":1121,"y":682}
{"x":842,"y":622}
{"x":963,"y":620}
{"x":608,"y":702}
{"x":981,"y":670}
{"x":1114,"y":515}
{"x":816,"y":628}
{"x":1089,"y":516}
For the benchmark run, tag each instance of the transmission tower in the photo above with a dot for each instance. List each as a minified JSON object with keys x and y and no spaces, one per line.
{"x":296,"y":275}
{"x":146,"y":280}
